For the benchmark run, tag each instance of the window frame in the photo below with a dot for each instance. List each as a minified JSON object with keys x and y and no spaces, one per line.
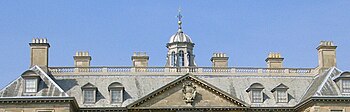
{"x":36,"y":83}
{"x":342,"y":85}
{"x":260,"y":95}
{"x":93,"y":90}
{"x":120,"y":90}
{"x":278,"y":97}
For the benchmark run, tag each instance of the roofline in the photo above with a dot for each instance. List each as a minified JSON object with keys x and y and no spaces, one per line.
{"x":52,"y":81}
{"x":39,"y":99}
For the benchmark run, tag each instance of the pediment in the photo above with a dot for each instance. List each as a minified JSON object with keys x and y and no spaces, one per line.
{"x":188,"y":91}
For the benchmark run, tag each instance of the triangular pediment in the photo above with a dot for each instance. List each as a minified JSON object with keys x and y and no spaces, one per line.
{"x":188,"y":91}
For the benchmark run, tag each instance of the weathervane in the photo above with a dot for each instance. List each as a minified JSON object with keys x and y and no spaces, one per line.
{"x":179,"y":16}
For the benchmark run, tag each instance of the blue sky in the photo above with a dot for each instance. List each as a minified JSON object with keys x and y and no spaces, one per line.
{"x":111,"y":30}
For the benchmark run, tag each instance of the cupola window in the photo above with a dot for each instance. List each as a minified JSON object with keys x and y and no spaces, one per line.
{"x":173,"y":57}
{"x":181,"y":58}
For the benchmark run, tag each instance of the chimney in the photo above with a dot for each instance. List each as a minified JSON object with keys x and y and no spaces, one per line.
{"x":140,"y":59}
{"x":274,"y":60}
{"x":219,"y":60}
{"x":82,"y":59}
{"x":326,"y":54}
{"x":39,"y":53}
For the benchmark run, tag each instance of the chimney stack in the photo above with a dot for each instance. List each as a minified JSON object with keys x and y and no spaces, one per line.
{"x":219,"y":60}
{"x":139,"y":59}
{"x":326,"y":54}
{"x":274,"y":60}
{"x":82,"y":59}
{"x":39,"y":53}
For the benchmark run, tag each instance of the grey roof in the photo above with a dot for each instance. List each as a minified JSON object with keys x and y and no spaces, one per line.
{"x":324,"y":85}
{"x":47,"y":86}
{"x":299,"y":87}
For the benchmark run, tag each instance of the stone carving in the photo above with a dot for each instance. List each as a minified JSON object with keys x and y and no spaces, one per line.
{"x":189,"y":92}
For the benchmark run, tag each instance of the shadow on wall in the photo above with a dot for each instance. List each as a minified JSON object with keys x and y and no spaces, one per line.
{"x":126,"y":96}
{"x":197,"y":99}
{"x":265,"y":97}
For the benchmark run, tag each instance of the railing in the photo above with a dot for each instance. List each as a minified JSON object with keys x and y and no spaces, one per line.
{"x":236,"y":70}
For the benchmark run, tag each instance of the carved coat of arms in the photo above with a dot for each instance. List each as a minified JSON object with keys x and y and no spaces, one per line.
{"x":189,"y":92}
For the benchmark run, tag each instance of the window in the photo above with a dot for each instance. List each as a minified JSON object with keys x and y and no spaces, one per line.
{"x":173,"y":56}
{"x":256,"y":96}
{"x":116,"y":92}
{"x":181,"y":58}
{"x":189,"y":58}
{"x":280,"y":93}
{"x":31,"y":85}
{"x":89,"y":96}
{"x":116,"y":95}
{"x":256,"y":93}
{"x":346,"y":85}
{"x":89,"y":93}
{"x":282,"y":96}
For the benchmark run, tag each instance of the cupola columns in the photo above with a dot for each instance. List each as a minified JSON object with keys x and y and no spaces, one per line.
{"x":326,"y":55}
{"x":39,"y":53}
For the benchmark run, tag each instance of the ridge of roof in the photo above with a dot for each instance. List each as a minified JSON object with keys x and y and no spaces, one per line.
{"x":52,"y":81}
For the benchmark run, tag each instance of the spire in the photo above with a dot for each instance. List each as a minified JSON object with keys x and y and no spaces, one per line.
{"x":179,"y":22}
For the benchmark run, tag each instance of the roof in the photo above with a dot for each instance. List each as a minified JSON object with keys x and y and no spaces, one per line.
{"x":138,"y":86}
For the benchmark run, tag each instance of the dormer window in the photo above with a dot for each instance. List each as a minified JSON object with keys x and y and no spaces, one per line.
{"x":89,"y":93}
{"x":31,"y":82}
{"x":343,"y":81}
{"x":346,"y":85}
{"x":280,"y":93}
{"x":256,"y":94}
{"x":116,"y":92}
{"x":31,"y":85}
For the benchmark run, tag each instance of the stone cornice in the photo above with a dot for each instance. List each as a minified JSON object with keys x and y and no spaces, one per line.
{"x":39,"y":100}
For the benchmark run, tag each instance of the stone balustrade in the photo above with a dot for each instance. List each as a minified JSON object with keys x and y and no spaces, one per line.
{"x":227,"y":70}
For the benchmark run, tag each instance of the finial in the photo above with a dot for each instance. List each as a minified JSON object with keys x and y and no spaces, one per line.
{"x":179,"y":16}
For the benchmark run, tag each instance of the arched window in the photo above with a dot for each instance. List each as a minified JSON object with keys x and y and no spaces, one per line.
{"x":173,"y":58}
{"x":116,"y":92}
{"x":189,"y":58}
{"x":256,"y":93}
{"x":181,"y":58}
